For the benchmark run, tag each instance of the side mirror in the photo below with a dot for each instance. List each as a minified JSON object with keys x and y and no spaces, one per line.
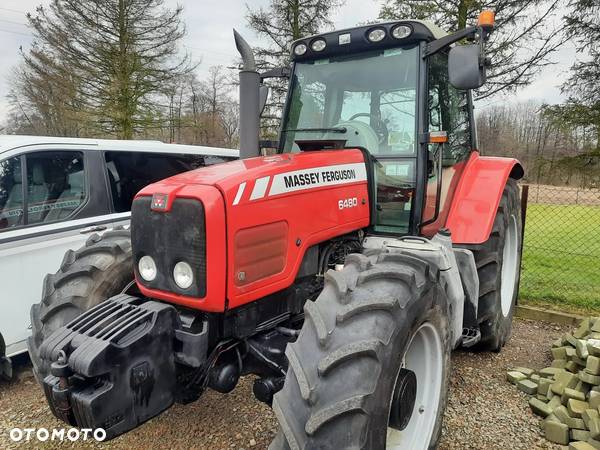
{"x":263,"y":96}
{"x":466,"y":67}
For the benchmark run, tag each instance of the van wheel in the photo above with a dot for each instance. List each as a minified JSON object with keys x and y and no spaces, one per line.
{"x":371,"y":364}
{"x":6,"y":372}
{"x":102,"y":268}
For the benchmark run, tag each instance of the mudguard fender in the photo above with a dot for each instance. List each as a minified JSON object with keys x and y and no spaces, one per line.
{"x":478,"y":195}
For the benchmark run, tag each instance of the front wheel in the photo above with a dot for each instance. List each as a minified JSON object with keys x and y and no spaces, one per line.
{"x":370,"y":367}
{"x":102,"y":268}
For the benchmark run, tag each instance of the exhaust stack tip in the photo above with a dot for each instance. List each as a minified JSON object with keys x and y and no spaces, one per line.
{"x":249,"y":100}
{"x":245,"y":50}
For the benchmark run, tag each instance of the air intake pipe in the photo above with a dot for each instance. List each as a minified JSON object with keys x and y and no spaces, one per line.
{"x":249,"y":100}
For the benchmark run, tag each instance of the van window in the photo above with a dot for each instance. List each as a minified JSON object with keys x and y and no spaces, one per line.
{"x":129,"y":172}
{"x":55,"y":185}
{"x":11,"y":194}
{"x":54,"y":188}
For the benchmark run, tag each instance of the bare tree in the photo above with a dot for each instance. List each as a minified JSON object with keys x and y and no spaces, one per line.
{"x":555,"y":150}
{"x":230,"y":118}
{"x":44,"y":99}
{"x":202,"y":112}
{"x":281,"y":23}
{"x":527,"y":33}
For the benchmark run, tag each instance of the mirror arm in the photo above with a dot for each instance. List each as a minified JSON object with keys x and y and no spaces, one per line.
{"x":278,"y":72}
{"x":439,"y":44}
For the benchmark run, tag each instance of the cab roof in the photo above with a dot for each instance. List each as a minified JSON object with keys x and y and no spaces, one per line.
{"x":355,"y":40}
{"x":13,"y":142}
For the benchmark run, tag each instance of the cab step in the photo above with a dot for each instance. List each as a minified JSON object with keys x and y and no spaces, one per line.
{"x":470,"y":337}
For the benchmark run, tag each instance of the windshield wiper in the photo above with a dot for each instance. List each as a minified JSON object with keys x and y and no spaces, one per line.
{"x":319,"y":130}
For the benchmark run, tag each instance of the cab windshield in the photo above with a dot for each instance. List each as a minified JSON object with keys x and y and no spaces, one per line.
{"x":366,"y":100}
{"x":374,"y":91}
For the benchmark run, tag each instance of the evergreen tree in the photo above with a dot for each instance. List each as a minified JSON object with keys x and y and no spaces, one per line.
{"x":114,"y":57}
{"x":583,"y":87}
{"x":283,"y":22}
{"x":527,"y":33}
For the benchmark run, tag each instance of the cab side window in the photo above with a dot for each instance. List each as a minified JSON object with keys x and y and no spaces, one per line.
{"x":11,"y":194}
{"x":129,"y":172}
{"x":449,"y":112}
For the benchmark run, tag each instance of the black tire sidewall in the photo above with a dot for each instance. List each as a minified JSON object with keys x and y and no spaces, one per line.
{"x":496,"y":328}
{"x":363,"y":287}
{"x":100,"y":283}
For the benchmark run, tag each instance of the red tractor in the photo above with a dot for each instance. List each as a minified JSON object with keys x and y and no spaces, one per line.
{"x":340,"y":272}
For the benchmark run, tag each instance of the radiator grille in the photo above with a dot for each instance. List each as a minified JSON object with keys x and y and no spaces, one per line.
{"x":170,"y":237}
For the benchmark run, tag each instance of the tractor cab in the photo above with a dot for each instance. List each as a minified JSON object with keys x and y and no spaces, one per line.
{"x":385,"y":88}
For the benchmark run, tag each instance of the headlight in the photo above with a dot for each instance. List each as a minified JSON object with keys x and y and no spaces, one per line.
{"x":147,"y":268}
{"x":183,"y":275}
{"x":300,"y":49}
{"x":318,"y":45}
{"x":401,"y":31}
{"x":376,"y":35}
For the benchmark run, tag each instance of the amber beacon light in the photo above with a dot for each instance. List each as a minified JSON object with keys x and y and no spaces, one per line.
{"x":487,"y":19}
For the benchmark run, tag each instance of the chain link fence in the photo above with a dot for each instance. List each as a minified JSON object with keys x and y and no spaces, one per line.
{"x":561,"y":248}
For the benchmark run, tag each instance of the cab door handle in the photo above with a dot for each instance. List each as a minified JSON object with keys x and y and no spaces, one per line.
{"x":92,"y":229}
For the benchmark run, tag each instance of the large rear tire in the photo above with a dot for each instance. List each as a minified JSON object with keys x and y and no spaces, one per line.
{"x":102,"y":268}
{"x":498,"y":263}
{"x":380,"y":314}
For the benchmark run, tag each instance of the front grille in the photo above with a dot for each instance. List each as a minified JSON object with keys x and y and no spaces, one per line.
{"x":170,"y":237}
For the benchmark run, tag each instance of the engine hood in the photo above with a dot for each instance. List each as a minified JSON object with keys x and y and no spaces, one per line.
{"x":257,"y":178}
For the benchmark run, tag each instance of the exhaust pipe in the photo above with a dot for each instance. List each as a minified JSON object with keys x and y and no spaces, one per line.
{"x":249,"y":100}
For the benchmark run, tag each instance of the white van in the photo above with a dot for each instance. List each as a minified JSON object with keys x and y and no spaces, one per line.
{"x":54,"y":192}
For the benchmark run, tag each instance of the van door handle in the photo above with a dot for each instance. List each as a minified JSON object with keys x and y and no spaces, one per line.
{"x":92,"y":229}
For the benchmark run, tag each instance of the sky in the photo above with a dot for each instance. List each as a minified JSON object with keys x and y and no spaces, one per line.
{"x":209,"y":40}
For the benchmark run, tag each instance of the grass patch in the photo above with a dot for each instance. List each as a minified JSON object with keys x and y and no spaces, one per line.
{"x":561,"y":257}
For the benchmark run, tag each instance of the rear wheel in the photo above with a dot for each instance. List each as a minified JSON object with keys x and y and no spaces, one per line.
{"x":370,"y":367}
{"x":97,"y":271}
{"x":498,"y":263}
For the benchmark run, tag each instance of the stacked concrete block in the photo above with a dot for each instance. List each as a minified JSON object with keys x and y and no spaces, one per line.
{"x":567,"y":393}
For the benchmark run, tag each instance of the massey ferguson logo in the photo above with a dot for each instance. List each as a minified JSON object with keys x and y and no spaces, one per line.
{"x":303,"y":179}
{"x":159,"y":202}
{"x":318,"y":177}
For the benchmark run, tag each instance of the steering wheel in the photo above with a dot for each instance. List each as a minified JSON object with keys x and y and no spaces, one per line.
{"x":379,"y":126}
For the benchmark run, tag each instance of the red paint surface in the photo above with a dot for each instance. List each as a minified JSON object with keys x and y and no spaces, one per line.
{"x":477,"y":197}
{"x":215,"y":244}
{"x":312,"y":216}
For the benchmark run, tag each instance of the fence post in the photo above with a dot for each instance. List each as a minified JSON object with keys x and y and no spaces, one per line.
{"x":524,"y":200}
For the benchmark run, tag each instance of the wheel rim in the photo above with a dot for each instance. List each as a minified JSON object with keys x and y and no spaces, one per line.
{"x":424,"y":356}
{"x":510,"y":262}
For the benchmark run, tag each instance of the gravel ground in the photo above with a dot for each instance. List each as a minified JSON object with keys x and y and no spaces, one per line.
{"x":484,"y":411}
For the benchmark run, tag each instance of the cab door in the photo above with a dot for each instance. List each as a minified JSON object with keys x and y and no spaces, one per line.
{"x":449,"y":110}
